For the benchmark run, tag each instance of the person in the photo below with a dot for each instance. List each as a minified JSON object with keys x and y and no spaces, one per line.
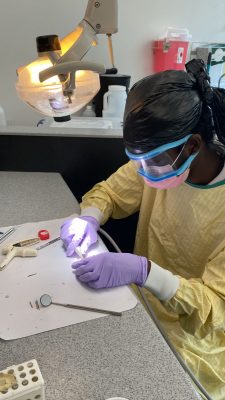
{"x":174,"y":135}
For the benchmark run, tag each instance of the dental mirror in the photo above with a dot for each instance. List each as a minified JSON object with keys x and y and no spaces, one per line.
{"x":46,"y":301}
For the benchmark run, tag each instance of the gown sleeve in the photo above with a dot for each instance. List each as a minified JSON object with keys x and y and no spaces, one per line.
{"x":200,"y":303}
{"x":117,"y":197}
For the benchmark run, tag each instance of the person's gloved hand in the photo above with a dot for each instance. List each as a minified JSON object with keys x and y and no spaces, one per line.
{"x":79,"y":232}
{"x":108,"y":270}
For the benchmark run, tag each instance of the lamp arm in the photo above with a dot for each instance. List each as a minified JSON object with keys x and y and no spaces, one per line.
{"x":102,"y":16}
{"x":81,"y":45}
{"x":70,"y":67}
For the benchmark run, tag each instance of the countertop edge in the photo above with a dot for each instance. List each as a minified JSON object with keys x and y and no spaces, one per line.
{"x":66,"y":132}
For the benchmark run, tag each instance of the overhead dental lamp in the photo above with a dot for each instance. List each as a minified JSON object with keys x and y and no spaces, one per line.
{"x":59,"y":83}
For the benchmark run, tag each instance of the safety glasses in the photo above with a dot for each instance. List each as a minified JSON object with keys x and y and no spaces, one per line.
{"x":157,"y":164}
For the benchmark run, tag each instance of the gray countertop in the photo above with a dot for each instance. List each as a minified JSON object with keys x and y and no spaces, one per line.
{"x":36,"y":196}
{"x":98,"y":359}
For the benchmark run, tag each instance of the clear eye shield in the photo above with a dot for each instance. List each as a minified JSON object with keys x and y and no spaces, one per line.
{"x":157,"y":164}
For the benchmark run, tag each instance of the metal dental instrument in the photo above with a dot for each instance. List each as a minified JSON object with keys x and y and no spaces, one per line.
{"x":6,"y":234}
{"x":77,"y":251}
{"x":48,"y":243}
{"x":27,"y":242}
{"x":46,"y":301}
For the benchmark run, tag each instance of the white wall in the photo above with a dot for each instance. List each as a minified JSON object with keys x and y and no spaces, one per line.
{"x":139,"y":22}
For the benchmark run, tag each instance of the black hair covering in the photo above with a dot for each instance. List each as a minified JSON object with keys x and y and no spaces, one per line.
{"x":218,"y":108}
{"x":160,"y":109}
{"x":166,"y":107}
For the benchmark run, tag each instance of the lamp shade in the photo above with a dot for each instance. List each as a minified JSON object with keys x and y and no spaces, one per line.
{"x":48,"y":97}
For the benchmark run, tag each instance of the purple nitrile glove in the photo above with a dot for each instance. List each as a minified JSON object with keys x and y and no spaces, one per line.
{"x":108,"y":270}
{"x":79,"y":232}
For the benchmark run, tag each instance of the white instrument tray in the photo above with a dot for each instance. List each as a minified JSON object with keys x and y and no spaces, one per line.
{"x":25,"y":279}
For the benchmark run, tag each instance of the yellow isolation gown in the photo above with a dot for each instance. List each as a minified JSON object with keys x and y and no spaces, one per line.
{"x":183,"y":230}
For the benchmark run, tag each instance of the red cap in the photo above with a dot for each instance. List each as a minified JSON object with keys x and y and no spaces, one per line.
{"x":43,"y":234}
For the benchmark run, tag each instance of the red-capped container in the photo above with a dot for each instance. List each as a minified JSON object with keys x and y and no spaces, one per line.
{"x":43,"y":234}
{"x":171,"y":52}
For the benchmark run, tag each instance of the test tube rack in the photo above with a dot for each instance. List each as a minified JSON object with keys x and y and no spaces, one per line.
{"x":22,"y":382}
